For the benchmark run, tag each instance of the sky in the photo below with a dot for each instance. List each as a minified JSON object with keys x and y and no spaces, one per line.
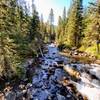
{"x":44,"y":6}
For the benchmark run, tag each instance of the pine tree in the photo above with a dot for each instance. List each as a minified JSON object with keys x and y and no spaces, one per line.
{"x":91,"y":30}
{"x":59,"y":36}
{"x":51,"y":23}
{"x":42,"y":27}
{"x":19,"y":36}
{"x":74,"y":25}
{"x":98,"y":27}
{"x":35,"y":25}
{"x":9,"y":60}
{"x":62,"y":21}
{"x":64,"y":14}
{"x":47,"y":31}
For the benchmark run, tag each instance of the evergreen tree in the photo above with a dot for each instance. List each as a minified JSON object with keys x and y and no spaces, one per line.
{"x":42,"y":27}
{"x":9,"y":59}
{"x":59,"y":36}
{"x":47,"y":31}
{"x":35,"y":25}
{"x":64,"y":14}
{"x":51,"y":23}
{"x":74,"y":25}
{"x":92,"y":28}
{"x":62,"y":21}
{"x":98,"y":27}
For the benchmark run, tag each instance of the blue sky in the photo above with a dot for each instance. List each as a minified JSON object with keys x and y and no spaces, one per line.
{"x":44,"y":6}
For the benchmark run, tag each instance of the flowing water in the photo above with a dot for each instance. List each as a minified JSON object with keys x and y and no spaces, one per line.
{"x":45,"y":82}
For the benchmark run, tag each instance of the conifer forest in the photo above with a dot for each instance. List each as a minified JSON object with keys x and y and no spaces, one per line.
{"x":41,"y":60}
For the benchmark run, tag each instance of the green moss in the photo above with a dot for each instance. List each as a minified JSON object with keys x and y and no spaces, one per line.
{"x":82,"y":48}
{"x":92,"y":50}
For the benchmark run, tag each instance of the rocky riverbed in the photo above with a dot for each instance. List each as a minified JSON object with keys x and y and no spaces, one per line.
{"x":51,"y":82}
{"x":58,"y":79}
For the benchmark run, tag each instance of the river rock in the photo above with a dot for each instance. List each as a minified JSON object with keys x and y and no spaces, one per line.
{"x":10,"y":95}
{"x":60,"y":97}
{"x":2,"y":96}
{"x":48,"y":84}
{"x":96,"y":82}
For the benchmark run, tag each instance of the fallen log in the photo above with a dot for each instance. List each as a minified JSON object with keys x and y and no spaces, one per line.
{"x":71,"y":71}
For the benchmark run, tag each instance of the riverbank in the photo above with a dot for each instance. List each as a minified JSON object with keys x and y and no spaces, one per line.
{"x":20,"y":88}
{"x":81,"y":58}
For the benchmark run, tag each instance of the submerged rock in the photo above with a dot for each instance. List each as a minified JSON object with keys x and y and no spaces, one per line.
{"x":60,"y":97}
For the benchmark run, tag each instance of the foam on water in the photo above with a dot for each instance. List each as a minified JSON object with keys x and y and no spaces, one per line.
{"x":91,"y":93}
